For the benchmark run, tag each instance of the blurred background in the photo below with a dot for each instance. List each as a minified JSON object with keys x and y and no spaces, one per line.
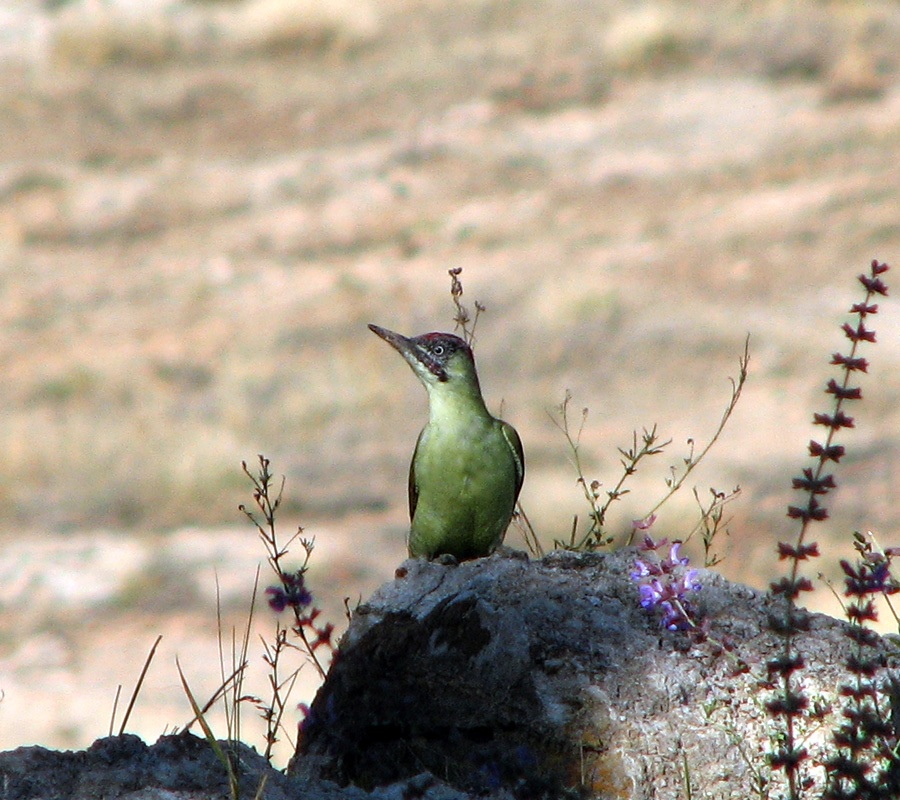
{"x":203,"y":202}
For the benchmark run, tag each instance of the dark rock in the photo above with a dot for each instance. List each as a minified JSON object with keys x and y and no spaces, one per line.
{"x":182,"y":767}
{"x":124,"y":766}
{"x":548,"y":679}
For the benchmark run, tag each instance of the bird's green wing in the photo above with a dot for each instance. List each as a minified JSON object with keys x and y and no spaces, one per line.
{"x":515,"y":444}
{"x":413,"y":485}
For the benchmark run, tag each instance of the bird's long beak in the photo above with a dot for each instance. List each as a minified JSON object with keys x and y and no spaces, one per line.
{"x":399,"y":342}
{"x":402,"y":345}
{"x":422,"y":364}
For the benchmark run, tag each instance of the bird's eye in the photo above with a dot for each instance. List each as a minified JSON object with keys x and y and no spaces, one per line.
{"x":438,"y":349}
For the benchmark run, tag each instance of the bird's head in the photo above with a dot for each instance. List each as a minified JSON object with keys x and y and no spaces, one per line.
{"x":436,"y":358}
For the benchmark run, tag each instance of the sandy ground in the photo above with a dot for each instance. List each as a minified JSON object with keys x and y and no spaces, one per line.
{"x":201,"y":207}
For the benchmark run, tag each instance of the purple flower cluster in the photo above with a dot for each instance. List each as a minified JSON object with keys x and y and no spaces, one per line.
{"x":294,"y":595}
{"x":664,"y":583}
{"x":870,"y":575}
{"x":291,"y":594}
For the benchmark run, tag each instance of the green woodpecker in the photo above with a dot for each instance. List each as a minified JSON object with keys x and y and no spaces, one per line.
{"x":468,"y":467}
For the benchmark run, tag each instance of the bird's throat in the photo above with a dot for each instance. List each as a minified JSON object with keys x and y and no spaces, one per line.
{"x":452,"y":406}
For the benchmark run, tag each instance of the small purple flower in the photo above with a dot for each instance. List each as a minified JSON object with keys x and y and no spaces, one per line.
{"x":277,"y":599}
{"x":641,"y":570}
{"x":651,"y":594}
{"x":690,"y":581}
{"x":673,"y":555}
{"x":649,"y":545}
{"x":673,"y":619}
{"x":643,"y":524}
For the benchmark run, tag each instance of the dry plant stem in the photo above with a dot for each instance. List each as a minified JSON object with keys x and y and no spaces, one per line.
{"x":281,"y":691}
{"x":462,"y":318}
{"x":893,"y":611}
{"x":528,"y":532}
{"x":221,"y":755}
{"x":691,"y":462}
{"x":593,"y":538}
{"x":261,"y":789}
{"x":575,"y":458}
{"x":686,"y":773}
{"x":220,"y":691}
{"x":760,"y":781}
{"x":137,"y":688}
{"x":299,"y":630}
{"x":630,"y":460}
{"x":711,"y":520}
{"x":631,"y":457}
{"x":112,"y":718}
{"x":823,"y":578}
{"x":232,"y":707}
{"x":310,"y":650}
{"x":267,"y":506}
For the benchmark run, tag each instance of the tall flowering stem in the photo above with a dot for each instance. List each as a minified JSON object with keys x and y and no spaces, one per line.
{"x":866,"y":765}
{"x":290,"y":593}
{"x":790,"y":702}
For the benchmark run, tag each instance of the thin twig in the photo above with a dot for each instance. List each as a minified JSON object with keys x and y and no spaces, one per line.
{"x":140,"y":682}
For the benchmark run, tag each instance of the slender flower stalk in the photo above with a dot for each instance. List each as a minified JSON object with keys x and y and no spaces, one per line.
{"x":290,"y":594}
{"x":866,"y":764}
{"x":790,"y":702}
